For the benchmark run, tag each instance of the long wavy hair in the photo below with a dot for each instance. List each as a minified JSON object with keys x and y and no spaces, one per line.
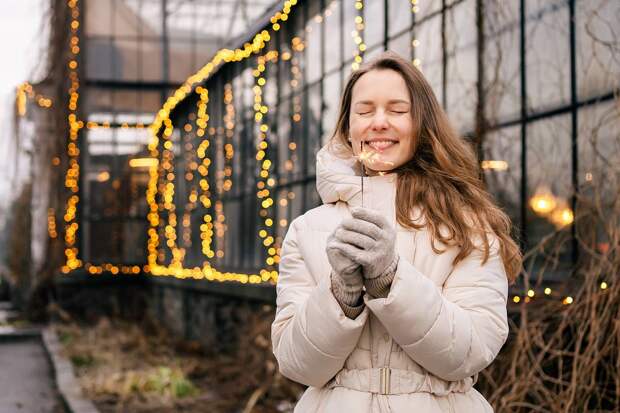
{"x":442,"y":178}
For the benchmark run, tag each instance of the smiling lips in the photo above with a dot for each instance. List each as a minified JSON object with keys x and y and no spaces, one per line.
{"x":381,"y":145}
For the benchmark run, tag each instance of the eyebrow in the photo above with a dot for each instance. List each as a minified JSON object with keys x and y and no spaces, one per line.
{"x":392,"y":101}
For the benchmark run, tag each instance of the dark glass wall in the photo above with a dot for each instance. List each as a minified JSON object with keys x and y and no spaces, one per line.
{"x":528,"y":82}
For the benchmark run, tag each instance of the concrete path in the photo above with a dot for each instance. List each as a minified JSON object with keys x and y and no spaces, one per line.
{"x":26,"y":380}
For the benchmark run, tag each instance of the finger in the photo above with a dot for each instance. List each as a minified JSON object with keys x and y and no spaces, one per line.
{"x":352,"y":252}
{"x":362,"y":227}
{"x":342,"y":263}
{"x":369,"y":215}
{"x":360,"y":240}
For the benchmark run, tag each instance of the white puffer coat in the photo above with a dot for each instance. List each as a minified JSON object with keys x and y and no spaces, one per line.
{"x":418,"y":350}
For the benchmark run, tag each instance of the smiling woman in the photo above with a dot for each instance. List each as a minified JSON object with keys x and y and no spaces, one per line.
{"x":393,"y":293}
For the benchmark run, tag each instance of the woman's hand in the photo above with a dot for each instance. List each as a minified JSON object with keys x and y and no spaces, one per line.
{"x":369,"y":240}
{"x":347,"y":280}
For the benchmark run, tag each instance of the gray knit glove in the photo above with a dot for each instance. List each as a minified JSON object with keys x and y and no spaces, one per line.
{"x":369,"y":239}
{"x":346,"y":277}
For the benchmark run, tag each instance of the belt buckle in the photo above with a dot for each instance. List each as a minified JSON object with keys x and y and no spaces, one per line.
{"x":384,"y":380}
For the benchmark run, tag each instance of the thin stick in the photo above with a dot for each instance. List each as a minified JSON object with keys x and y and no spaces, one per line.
{"x":363,"y":169}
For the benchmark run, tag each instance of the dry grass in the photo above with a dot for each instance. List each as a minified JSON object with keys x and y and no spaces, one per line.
{"x":126,"y":368}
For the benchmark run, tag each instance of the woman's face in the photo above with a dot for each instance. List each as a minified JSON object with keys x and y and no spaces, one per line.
{"x":380,"y":119}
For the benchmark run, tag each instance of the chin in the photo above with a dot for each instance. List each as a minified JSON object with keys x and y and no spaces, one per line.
{"x":376,"y":168}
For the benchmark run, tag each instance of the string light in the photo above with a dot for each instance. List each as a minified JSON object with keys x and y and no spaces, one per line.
{"x":415,"y":42}
{"x":73,"y":171}
{"x":26,"y":91}
{"x":222,"y":56}
{"x":51,"y":223}
{"x":357,"y":35}
{"x":206,"y":227}
{"x":263,"y":144}
{"x":166,"y":168}
{"x":547,"y":205}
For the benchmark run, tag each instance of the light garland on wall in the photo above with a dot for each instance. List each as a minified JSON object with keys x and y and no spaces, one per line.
{"x":73,"y":171}
{"x":224,"y":177}
{"x":358,"y":34}
{"x":162,"y":119}
{"x":26,"y":91}
{"x":206,"y":227}
{"x":229,"y":128}
{"x":190,"y":167}
{"x":264,"y":195}
{"x":415,"y":42}
{"x":222,"y":56}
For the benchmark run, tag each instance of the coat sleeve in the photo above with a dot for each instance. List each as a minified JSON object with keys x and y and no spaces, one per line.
{"x":454,"y":333}
{"x":311,"y":336}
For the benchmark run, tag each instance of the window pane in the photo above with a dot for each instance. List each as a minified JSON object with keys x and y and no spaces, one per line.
{"x":313,"y":42}
{"x":429,"y":52}
{"x":547,"y":54}
{"x":599,"y":157}
{"x":548,"y":195}
{"x":348,"y":29}
{"x":313,"y":120}
{"x":599,"y":151}
{"x":462,"y":76}
{"x":152,"y":62}
{"x":374,"y":27}
{"x":284,"y":142}
{"x":331,"y":94}
{"x":502,"y":61}
{"x":181,"y":60}
{"x":598,"y":61}
{"x":101,"y":55}
{"x":401,"y":45}
{"x":400,"y":16}
{"x":332,"y":35}
{"x":501,"y":164}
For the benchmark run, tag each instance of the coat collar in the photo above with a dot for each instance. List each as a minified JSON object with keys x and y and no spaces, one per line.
{"x":338,"y":178}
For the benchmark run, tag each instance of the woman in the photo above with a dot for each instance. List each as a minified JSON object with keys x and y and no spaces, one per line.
{"x":392,"y":295}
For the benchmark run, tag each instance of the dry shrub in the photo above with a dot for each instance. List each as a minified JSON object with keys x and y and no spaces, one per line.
{"x":566,"y":357}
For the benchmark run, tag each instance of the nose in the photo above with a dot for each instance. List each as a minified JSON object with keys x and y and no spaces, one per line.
{"x":379,"y":121}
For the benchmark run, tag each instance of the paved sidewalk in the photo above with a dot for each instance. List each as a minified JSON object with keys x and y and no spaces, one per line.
{"x":26,"y":380}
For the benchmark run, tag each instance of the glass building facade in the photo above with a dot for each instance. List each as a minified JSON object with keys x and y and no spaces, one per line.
{"x":135,"y":53}
{"x":532,"y":84}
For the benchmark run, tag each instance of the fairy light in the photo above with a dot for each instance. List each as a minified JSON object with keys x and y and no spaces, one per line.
{"x":358,"y":36}
{"x":260,"y":109}
{"x":415,"y":42}
{"x":229,"y":125}
{"x":202,"y":123}
{"x":222,"y":56}
{"x":73,"y":172}
{"x":26,"y":91}
{"x":543,"y":202}
{"x":494,"y":165}
{"x":562,"y":216}
{"x":51,"y":223}
{"x":190,"y":166}
{"x":166,"y":165}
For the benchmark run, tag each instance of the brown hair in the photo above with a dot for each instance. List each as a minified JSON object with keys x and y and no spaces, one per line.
{"x":442,"y":178}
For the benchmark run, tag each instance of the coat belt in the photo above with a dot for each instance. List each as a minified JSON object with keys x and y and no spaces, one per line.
{"x":388,"y":381}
